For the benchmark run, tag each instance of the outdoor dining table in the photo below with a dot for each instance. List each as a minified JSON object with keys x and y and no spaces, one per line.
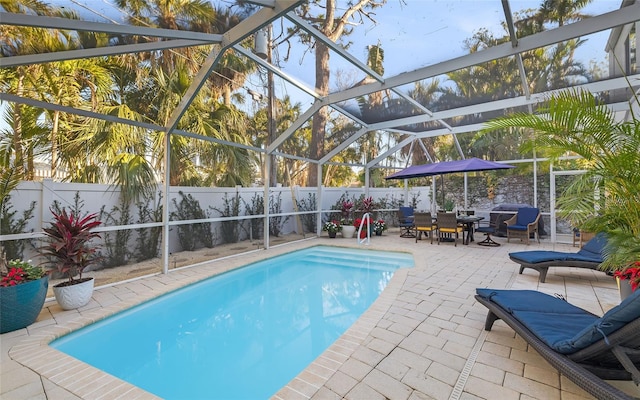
{"x":468,"y":221}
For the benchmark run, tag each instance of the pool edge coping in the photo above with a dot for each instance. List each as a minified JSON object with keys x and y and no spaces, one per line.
{"x":87,"y":382}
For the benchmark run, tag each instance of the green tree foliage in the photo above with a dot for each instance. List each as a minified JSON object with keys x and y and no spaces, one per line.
{"x":605,"y":198}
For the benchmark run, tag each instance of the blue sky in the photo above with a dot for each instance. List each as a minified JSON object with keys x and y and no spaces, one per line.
{"x":413,"y":33}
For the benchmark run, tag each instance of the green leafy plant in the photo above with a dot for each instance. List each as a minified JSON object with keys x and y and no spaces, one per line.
{"x":332,"y":226}
{"x":148,"y":239}
{"x":190,"y":235}
{"x":68,"y":248}
{"x":116,"y":243}
{"x":276,"y":222}
{"x":256,"y":207}
{"x":308,"y":204}
{"x":379,"y":226}
{"x":231,"y":208}
{"x":574,"y":122}
{"x":10,"y":224}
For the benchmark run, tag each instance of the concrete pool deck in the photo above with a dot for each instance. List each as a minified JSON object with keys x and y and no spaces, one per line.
{"x":423,"y":338}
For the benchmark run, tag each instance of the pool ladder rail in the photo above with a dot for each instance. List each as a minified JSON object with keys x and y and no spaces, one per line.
{"x":366,"y":218}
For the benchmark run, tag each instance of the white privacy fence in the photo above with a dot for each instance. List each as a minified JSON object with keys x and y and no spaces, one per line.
{"x":218,"y":205}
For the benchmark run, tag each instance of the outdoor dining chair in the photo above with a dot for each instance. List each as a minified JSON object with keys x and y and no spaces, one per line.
{"x":405,"y":221}
{"x":448,"y":225}
{"x":488,"y":230}
{"x":424,"y":223}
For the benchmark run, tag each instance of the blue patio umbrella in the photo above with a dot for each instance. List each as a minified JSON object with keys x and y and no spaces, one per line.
{"x":448,"y":167}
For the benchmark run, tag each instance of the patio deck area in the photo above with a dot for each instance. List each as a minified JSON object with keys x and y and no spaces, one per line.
{"x":423,"y":338}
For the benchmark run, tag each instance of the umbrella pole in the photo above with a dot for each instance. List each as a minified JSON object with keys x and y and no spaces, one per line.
{"x":442,"y":184}
{"x":466,"y":203}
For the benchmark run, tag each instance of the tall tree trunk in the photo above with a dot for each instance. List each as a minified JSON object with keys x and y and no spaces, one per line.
{"x":54,"y":143}
{"x":320,"y":118}
{"x":17,"y":125}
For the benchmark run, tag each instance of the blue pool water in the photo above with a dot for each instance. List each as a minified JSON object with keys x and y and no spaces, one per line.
{"x":243,"y":334}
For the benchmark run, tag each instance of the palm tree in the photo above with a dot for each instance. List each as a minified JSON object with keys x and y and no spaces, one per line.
{"x":573,"y":122}
{"x":20,"y":80}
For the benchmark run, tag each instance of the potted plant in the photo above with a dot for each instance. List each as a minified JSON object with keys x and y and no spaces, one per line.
{"x":367,"y":204}
{"x":379,"y":226}
{"x":575,"y":122}
{"x":332,"y":227}
{"x":347,"y":222}
{"x":69,"y":253}
{"x":367,"y":224}
{"x":628,"y":279}
{"x":23,"y":290}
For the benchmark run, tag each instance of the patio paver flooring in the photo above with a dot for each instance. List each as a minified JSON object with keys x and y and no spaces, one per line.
{"x":423,"y":338}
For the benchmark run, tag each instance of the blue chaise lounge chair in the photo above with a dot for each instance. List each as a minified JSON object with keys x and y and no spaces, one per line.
{"x":589,"y":256}
{"x":584,"y":347}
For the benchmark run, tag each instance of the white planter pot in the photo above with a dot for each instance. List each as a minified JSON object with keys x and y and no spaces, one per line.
{"x":74,"y":296}
{"x":348,"y":231}
{"x":624,"y":287}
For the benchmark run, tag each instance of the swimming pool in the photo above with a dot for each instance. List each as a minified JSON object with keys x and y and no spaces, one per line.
{"x":243,"y":334}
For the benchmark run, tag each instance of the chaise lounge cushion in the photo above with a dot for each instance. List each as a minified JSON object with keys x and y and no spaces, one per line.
{"x":562,"y":326}
{"x":529,"y":300}
{"x":541,"y":256}
{"x":592,"y":251}
{"x":525,"y":216}
{"x":594,"y":247}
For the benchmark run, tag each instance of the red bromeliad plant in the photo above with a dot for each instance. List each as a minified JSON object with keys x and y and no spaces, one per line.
{"x":632,"y":273}
{"x":68,"y":247}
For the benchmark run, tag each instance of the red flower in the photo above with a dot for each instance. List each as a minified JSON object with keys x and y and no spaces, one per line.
{"x":15,"y":277}
{"x":358,"y":221}
{"x":632,"y":273}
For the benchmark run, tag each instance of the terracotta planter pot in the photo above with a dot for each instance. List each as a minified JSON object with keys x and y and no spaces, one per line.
{"x":20,"y":305}
{"x":74,"y":296}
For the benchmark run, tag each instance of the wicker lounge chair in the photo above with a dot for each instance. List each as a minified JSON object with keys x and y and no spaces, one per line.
{"x":589,"y":256}
{"x":523,"y":224}
{"x":585,"y":348}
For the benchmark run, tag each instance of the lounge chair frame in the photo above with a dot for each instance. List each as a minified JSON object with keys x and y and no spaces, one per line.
{"x":543,"y":267}
{"x":580,"y":367}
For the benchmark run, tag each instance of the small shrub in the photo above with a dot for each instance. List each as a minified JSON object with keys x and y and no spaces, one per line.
{"x":10,"y":225}
{"x":76,"y":208}
{"x":255,"y":208}
{"x":308,"y":204}
{"x":116,"y":242}
{"x":276,"y":223}
{"x":148,"y":240}
{"x":190,"y":235}
{"x":231,"y":208}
